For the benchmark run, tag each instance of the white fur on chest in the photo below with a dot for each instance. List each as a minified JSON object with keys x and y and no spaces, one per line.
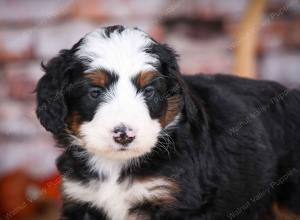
{"x":115,"y":198}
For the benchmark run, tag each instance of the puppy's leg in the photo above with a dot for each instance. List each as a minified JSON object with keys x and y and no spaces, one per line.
{"x":72,"y":210}
{"x":75,"y":211}
{"x":288,"y":205}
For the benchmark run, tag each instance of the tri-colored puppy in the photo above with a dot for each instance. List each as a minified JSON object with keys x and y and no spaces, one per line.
{"x":141,"y":141}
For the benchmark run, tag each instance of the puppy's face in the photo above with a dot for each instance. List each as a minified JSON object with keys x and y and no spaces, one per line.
{"x":115,"y":92}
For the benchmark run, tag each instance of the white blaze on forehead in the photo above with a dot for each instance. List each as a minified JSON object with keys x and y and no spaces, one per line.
{"x":124,"y":106}
{"x":124,"y":53}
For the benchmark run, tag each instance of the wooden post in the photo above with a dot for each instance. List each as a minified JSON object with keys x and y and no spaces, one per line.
{"x":246,"y":39}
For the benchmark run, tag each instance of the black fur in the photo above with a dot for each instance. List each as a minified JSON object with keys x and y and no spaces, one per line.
{"x":237,"y":139}
{"x":53,"y":88}
{"x":111,"y":29}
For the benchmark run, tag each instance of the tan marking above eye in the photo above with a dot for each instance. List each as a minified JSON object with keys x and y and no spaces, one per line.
{"x":144,"y":78}
{"x":99,"y":78}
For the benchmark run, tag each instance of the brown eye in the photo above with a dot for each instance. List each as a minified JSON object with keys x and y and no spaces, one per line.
{"x":95,"y":93}
{"x":149,"y":91}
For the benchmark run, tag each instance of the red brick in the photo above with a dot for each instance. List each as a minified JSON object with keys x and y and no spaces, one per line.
{"x":90,"y":9}
{"x":292,"y":39}
{"x":20,"y":12}
{"x":206,"y":8}
{"x":136,"y":9}
{"x":207,"y":56}
{"x":282,"y":67}
{"x":51,"y":39}
{"x":17,"y":119}
{"x":101,"y":10}
{"x":36,"y":156}
{"x":15,"y":44}
{"x":21,"y":78}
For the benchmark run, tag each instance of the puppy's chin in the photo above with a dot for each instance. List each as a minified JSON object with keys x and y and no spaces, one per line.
{"x":118,"y":153}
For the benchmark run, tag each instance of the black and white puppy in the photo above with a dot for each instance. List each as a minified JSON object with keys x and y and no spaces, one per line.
{"x":141,"y":141}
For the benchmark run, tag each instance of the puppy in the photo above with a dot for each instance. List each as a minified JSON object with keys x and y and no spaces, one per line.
{"x":141,"y":141}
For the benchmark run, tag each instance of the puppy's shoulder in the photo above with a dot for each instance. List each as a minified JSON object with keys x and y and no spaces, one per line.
{"x":232,"y":86}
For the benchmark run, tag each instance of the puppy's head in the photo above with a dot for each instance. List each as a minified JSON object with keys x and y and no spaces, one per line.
{"x":114,"y":92}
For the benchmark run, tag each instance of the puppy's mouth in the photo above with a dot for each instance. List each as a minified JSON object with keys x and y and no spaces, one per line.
{"x":118,"y":153}
{"x":123,"y":149}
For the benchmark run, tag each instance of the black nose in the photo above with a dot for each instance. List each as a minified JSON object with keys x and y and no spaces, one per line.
{"x":123,"y":135}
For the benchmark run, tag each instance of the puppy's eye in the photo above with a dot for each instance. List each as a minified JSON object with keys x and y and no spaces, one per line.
{"x":149,"y":91}
{"x":95,"y":93}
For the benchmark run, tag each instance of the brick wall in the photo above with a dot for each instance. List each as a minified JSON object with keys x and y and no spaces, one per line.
{"x":201,"y":32}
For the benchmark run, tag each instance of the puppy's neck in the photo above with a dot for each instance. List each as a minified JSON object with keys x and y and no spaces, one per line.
{"x":107,"y":167}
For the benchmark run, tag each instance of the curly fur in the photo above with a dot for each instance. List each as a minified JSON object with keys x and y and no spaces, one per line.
{"x":232,"y":154}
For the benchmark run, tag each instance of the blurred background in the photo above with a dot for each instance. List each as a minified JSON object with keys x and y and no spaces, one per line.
{"x":251,"y":38}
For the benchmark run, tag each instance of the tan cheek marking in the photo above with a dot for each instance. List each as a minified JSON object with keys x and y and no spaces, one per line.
{"x":74,"y":123}
{"x":282,"y":213}
{"x":99,"y":78}
{"x":173,"y":108}
{"x":145,"y":78}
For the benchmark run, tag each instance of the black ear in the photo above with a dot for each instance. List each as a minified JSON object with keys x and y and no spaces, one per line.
{"x":169,"y":66}
{"x":51,"y":106}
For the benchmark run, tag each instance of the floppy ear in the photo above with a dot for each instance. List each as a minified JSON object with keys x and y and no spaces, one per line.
{"x":51,"y":107}
{"x":168,"y":59}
